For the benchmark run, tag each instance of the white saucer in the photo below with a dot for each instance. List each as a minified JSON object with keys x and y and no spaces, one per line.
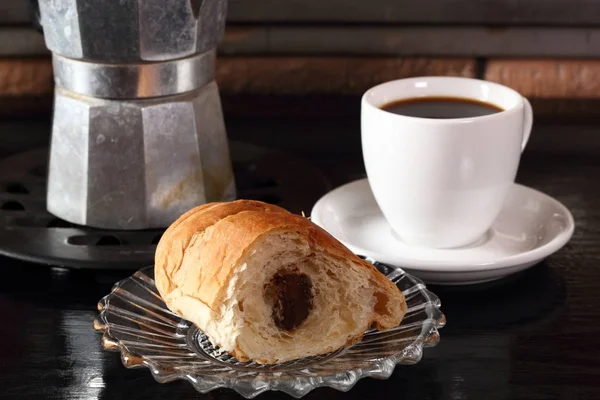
{"x":530,"y":227}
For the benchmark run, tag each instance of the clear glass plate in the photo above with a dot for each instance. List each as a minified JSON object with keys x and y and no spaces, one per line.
{"x":135,"y":321}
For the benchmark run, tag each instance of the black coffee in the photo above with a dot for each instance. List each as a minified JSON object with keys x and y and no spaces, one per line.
{"x":441,"y":107}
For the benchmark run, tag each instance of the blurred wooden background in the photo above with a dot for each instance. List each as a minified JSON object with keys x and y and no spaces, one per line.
{"x":547,"y":49}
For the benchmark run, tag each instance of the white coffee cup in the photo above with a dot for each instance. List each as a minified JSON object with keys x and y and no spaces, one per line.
{"x":442,"y":182}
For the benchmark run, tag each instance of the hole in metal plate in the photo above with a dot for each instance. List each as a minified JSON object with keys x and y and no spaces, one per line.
{"x":58,"y":223}
{"x":94,"y":240}
{"x":82,"y":240}
{"x":12,"y":205}
{"x":109,"y":240}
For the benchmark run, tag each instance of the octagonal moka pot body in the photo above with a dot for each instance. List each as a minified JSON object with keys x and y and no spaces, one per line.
{"x":138,"y":135}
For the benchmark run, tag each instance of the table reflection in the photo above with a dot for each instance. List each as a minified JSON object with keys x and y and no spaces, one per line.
{"x":488,"y":326}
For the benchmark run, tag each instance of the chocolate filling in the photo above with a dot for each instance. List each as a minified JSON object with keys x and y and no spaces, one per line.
{"x":291,"y":294}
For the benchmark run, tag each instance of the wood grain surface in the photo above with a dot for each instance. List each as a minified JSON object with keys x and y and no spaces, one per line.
{"x":532,"y":336}
{"x":440,"y":40}
{"x":374,"y":40}
{"x":567,"y":12}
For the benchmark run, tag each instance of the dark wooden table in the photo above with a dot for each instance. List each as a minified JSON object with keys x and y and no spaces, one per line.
{"x":533,"y":336}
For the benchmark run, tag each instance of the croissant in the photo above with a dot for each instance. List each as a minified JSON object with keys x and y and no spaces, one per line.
{"x":270,"y":286}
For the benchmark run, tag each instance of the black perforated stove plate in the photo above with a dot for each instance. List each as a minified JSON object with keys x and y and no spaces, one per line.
{"x":28,"y":232}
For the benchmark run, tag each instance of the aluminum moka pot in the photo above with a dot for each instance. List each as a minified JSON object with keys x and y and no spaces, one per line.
{"x":138,"y":135}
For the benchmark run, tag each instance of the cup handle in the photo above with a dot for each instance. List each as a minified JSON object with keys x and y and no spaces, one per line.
{"x":528,"y":122}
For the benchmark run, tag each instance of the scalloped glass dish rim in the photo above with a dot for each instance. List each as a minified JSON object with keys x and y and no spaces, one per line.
{"x":250,"y":379}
